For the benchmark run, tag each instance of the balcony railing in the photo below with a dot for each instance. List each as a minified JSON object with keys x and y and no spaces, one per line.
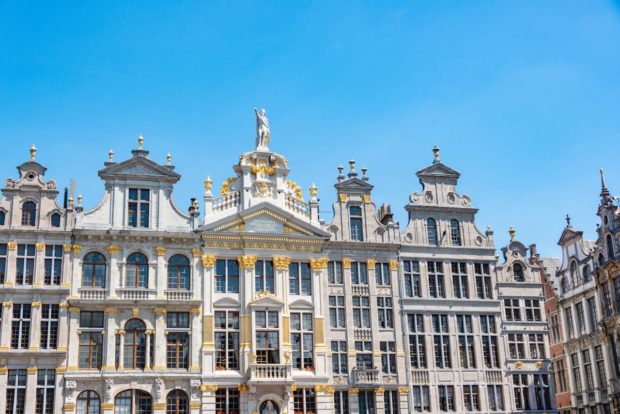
{"x":92,"y":293}
{"x":179,"y":295}
{"x":365,"y":376}
{"x":270,"y":372}
{"x":493,"y":376}
{"x":362,"y":334}
{"x":360,"y":290}
{"x":136,"y":293}
{"x":419,"y":376}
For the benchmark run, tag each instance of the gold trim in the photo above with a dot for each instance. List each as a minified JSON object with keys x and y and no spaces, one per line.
{"x":281,"y":263}
{"x":195,"y":405}
{"x":68,"y":407}
{"x":327,"y":389}
{"x":31,"y":370}
{"x":196,"y":252}
{"x":318,"y":264}
{"x":243,"y":387}
{"x":371,"y":264}
{"x":366,"y":198}
{"x":247,"y":262}
{"x":319,"y":332}
{"x":209,"y":387}
{"x":4,"y":370}
{"x":40,"y":247}
{"x":159,"y":406}
{"x":403,"y":390}
{"x":346,"y":263}
{"x":393,"y":264}
{"x":379,"y":390}
{"x":354,"y":391}
{"x":208,"y":261}
{"x":159,"y":311}
{"x":343,"y":198}
{"x":66,"y":248}
{"x":107,"y":406}
{"x":36,"y":304}
{"x":112,"y":249}
{"x":74,"y":309}
{"x":110,"y":309}
{"x":11,"y":245}
{"x":160,"y":250}
{"x":76,"y":248}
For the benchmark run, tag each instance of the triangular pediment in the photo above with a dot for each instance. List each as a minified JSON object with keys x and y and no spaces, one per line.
{"x":139,"y":168}
{"x":568,"y":234}
{"x":438,"y":170}
{"x":266,"y":299}
{"x":354,"y":184}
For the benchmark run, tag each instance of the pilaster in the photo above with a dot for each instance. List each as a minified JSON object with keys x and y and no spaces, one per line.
{"x":160,"y":276}
{"x":160,"y":339}
{"x":35,"y":326}
{"x":111,"y":326}
{"x":39,"y":266}
{"x":74,"y":341}
{"x":31,"y":390}
{"x":11,"y":263}
{"x":7,"y":322}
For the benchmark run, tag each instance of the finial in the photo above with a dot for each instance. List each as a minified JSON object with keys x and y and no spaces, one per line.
{"x":567,"y":220}
{"x":111,"y":156}
{"x":168,"y":159}
{"x":436,"y":154}
{"x":80,"y":200}
{"x":364,"y":176}
{"x":208,"y":184}
{"x":313,"y":190}
{"x":512,"y":233}
{"x":340,"y":174}
{"x":605,"y":195}
{"x":352,"y":172}
{"x":140,"y":142}
{"x":33,"y":152}
{"x":70,"y":200}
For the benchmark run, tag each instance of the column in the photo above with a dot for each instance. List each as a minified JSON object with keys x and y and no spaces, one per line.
{"x":39,"y":266}
{"x":195,"y":282}
{"x":195,"y":340}
{"x":11,"y":261}
{"x":65,"y":278}
{"x":206,"y":328}
{"x":161,"y":279}
{"x":348,"y":301}
{"x":354,"y":402}
{"x":403,"y":399}
{"x":75,"y":249}
{"x":31,"y":390}
{"x":109,"y":338}
{"x":116,"y":267}
{"x":147,"y":360}
{"x":380,"y":400}
{"x":374,"y":320}
{"x":318,"y":266}
{"x":208,"y":397}
{"x":59,"y":394}
{"x":74,"y":334}
{"x":281,"y":287}
{"x":35,"y":326}
{"x":246,"y":275}
{"x":7,"y":321}
{"x":63,"y":326}
{"x":160,"y":339}
{"x":121,"y":349}
{"x":3,"y":383}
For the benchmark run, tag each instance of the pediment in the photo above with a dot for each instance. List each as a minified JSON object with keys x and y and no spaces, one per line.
{"x":140,"y":168}
{"x":301,"y":304}
{"x":568,"y":234}
{"x":438,"y":170}
{"x":354,"y":184}
{"x":226,"y":303}
{"x":267,"y":300}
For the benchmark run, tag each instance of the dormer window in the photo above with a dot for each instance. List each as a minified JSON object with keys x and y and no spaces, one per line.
{"x":355,"y":219}
{"x":455,"y":232}
{"x":518,"y":272}
{"x":139,"y":207}
{"x":55,"y":220}
{"x":431,"y":231}
{"x":29,"y":213}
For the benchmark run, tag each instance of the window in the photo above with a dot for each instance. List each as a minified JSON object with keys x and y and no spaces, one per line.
{"x":466,"y":342}
{"x":91,"y":340}
{"x":411,"y":270}
{"x":512,"y":309}
{"x":363,"y":355}
{"x":574,"y":359}
{"x":431,"y":231}
{"x":88,"y":403}
{"x":587,"y":274}
{"x":302,"y":341}
{"x":560,"y":375}
{"x":264,"y":276}
{"x":359,"y":275}
{"x":564,"y":285}
{"x":542,"y":392}
{"x":435,"y":280}
{"x":93,"y":270}
{"x":366,"y":402}
{"x":581,"y":318}
{"x":592,"y":315}
{"x":55,"y":220}
{"x":574,"y":274}
{"x":441,"y":342}
{"x":386,"y":312}
{"x":490,"y":353}
{"x":390,"y":402}
{"x":388,"y":357}
{"x":267,"y":337}
{"x":134,"y":347}
{"x":24,"y":274}
{"x":227,"y":401}
{"x":53,"y":264}
{"x":587,"y":368}
{"x":606,"y":297}
{"x":355,"y":220}
{"x":226,"y":340}
{"x":519,"y":273}
{"x":455,"y":232}
{"x":3,"y":256}
{"x":49,"y":326}
{"x":537,"y":346}
{"x":341,"y":402}
{"x":382,"y":274}
{"x":483,"y":281}
{"x":334,"y":273}
{"x":616,"y":283}
{"x":495,"y":397}
{"x":601,"y":259}
{"x":300,"y":280}
{"x":16,"y":391}
{"x":421,"y":400}
{"x":226,"y":276}
{"x":29,"y":214}
{"x":179,"y":272}
{"x":20,"y":332}
{"x":177,"y":402}
{"x":137,"y":271}
{"x":417,"y":342}
{"x":337,"y":312}
{"x":532,"y":310}
{"x":600,"y":366}
{"x":46,"y":385}
{"x":304,"y":401}
{"x":554,"y":329}
{"x":133,"y":402}
{"x":471,"y":397}
{"x":361,"y":311}
{"x":139,"y":205}
{"x":2,"y":217}
{"x":459,"y":280}
{"x":177,"y":340}
{"x":339,"y":357}
{"x":570,"y":330}
{"x":446,"y":397}
{"x":609,"y":242}
{"x":520,"y":387}
{"x":516,"y":346}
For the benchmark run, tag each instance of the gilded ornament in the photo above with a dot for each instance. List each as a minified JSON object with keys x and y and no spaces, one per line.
{"x":403,"y":390}
{"x":262,"y":169}
{"x":379,"y":390}
{"x":318,"y":264}
{"x":366,"y":198}
{"x":208,"y":261}
{"x":225,"y":189}
{"x":113,"y":249}
{"x":539,"y":364}
{"x":313,"y":190}
{"x":293,"y":387}
{"x":295,"y":187}
{"x":281,"y":263}
{"x":11,"y":245}
{"x":159,"y":311}
{"x":195,"y":311}
{"x":327,"y":389}
{"x":36,"y":304}
{"x":76,"y":248}
{"x":354,"y":391}
{"x":7,"y":304}
{"x":31,"y":370}
{"x":393,"y":264}
{"x":371,"y":264}
{"x":243,"y":387}
{"x":66,"y":248}
{"x":247,"y":262}
{"x":40,"y":246}
{"x":343,"y":198}
{"x":196,"y":252}
{"x":74,"y":310}
{"x":135,"y":312}
{"x":346,"y":263}
{"x":160,"y":250}
{"x":519,"y":365}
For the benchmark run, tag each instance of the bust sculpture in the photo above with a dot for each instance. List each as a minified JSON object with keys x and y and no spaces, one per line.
{"x":269,"y":409}
{"x":263,"y":135}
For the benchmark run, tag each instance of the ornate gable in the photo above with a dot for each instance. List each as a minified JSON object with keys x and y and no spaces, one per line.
{"x":139,"y":168}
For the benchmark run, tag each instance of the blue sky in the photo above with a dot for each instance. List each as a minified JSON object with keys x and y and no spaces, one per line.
{"x":521,"y":96}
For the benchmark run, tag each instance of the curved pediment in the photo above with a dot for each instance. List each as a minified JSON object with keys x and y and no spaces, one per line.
{"x":301,"y":304}
{"x":226,"y":302}
{"x":266,"y":300}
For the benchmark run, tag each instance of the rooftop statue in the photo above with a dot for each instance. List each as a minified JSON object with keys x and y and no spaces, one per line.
{"x":263,"y":134}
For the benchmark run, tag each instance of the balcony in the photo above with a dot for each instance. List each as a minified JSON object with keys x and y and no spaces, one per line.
{"x":363,"y":376}
{"x":361,"y":334}
{"x":92,"y":293}
{"x":136,"y":293}
{"x":179,"y":295}
{"x":270,"y":373}
{"x":360,"y":290}
{"x":493,"y":377}
{"x":419,"y":376}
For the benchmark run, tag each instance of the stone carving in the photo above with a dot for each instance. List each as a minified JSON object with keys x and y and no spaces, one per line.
{"x":10,"y":183}
{"x":159,"y":388}
{"x":195,"y":384}
{"x":263,"y":135}
{"x":269,"y":409}
{"x":108,"y":389}
{"x":70,"y":386}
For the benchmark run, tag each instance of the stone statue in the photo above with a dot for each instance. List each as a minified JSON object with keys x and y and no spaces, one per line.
{"x":269,"y":408}
{"x":263,"y":135}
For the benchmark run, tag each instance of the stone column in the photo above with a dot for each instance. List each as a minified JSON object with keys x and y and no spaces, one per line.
{"x":109,"y":338}
{"x":246,"y":275}
{"x":3,"y":383}
{"x":403,"y":399}
{"x":350,"y":325}
{"x":380,"y":400}
{"x":206,"y":329}
{"x":60,"y":393}
{"x":7,"y":322}
{"x":76,"y":262}
{"x":121,"y":349}
{"x":35,"y":326}
{"x":374,"y":321}
{"x":74,"y":335}
{"x":195,"y":341}
{"x":318,"y":266}
{"x":281,"y":287}
{"x":208,"y":397}
{"x":147,"y":360}
{"x":39,"y":265}
{"x":354,"y":402}
{"x":399,"y":318}
{"x":195,"y":281}
{"x":31,"y":390}
{"x":160,"y":276}
{"x":63,"y":326}
{"x":11,"y":261}
{"x":160,"y":339}
{"x":65,"y":278}
{"x":115,"y":273}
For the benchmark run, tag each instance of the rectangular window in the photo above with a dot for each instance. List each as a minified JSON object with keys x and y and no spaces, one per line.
{"x":466,"y":342}
{"x":366,"y":402}
{"x":302,"y":341}
{"x":341,"y":402}
{"x":227,"y":401}
{"x":537,"y":346}
{"x":53,"y":264}
{"x":300,"y":280}
{"x":570,"y":330}
{"x":390,"y":402}
{"x":91,"y":340}
{"x":581,"y":318}
{"x":446,"y":397}
{"x":421,"y":400}
{"x":520,"y":387}
{"x":411,"y":272}
{"x":574,"y":359}
{"x":177,"y":340}
{"x":554,"y":329}
{"x":483,"y":281}
{"x":361,"y":311}
{"x":363,"y":355}
{"x":417,"y":342}
{"x":359,"y":273}
{"x":138,"y":207}
{"x":339,"y":358}
{"x":441,"y":342}
{"x":304,"y":401}
{"x":24,"y":274}
{"x":3,"y":257}
{"x":226,"y":340}
{"x":560,"y":375}
{"x":460,"y":282}
{"x":337,"y":312}
{"x":20,"y":332}
{"x":49,"y":326}
{"x":355,"y":221}
{"x":386,"y":312}
{"x":512,"y":309}
{"x":388,"y":357}
{"x":471,"y":397}
{"x":592,"y":314}
{"x":46,"y":385}
{"x":606,"y":297}
{"x":267,"y":337}
{"x":334,"y":273}
{"x":516,"y":346}
{"x":600,"y":366}
{"x":263,"y":276}
{"x":436,"y":285}
{"x":542,"y":393}
{"x":382,"y":274}
{"x":532,"y":310}
{"x":587,"y":369}
{"x":616,"y":283}
{"x":16,"y":391}
{"x":226,"y":276}
{"x":495,"y":397}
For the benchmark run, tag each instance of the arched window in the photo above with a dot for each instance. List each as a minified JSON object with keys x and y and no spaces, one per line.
{"x":177,"y":402}
{"x":178,"y":272}
{"x":2,"y":218}
{"x":55,"y":220}
{"x":564,"y":285}
{"x":518,"y":272}
{"x":431,"y":231}
{"x":29,"y":214}
{"x":601,"y":259}
{"x":133,"y":402}
{"x":455,"y":232}
{"x":610,"y":247}
{"x":93,"y":270}
{"x":137,"y":271}
{"x":88,"y":403}
{"x":355,"y":220}
{"x":134,"y":346}
{"x":586,"y":274}
{"x":574,"y":274}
